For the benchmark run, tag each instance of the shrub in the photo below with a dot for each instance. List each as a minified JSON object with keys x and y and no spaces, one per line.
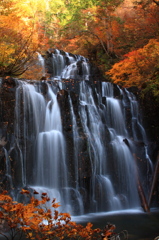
{"x":35,"y":221}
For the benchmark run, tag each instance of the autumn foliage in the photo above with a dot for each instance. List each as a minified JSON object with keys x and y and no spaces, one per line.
{"x":20,"y":38}
{"x":139,"y":68}
{"x":121,"y":35}
{"x":35,"y":221}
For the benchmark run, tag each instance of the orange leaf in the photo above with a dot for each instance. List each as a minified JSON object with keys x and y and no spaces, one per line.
{"x":56,"y":205}
{"x":25,"y":191}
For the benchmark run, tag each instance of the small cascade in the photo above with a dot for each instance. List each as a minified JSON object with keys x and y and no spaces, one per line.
{"x":58,"y":64}
{"x":8,"y":169}
{"x":137,"y":128}
{"x":75,"y":141}
{"x":76,"y":69}
{"x":108,"y":193}
{"x":115,"y":117}
{"x":77,"y":199}
{"x":93,"y":128}
{"x":139,"y":137}
{"x":117,"y":175}
{"x":50,"y":161}
{"x":30,"y":105}
{"x":70,"y":72}
{"x":89,"y":165}
{"x":66,"y":66}
{"x":42,"y":63}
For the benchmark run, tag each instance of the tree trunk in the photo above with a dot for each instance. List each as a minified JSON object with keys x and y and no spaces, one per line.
{"x":155,"y":176}
{"x":143,"y":199}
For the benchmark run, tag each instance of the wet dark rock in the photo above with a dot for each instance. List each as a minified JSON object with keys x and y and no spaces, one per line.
{"x":96,"y":74}
{"x":9,"y":82}
{"x":7,"y":104}
{"x":126,"y":142}
{"x":117,"y":93}
{"x":16,"y":166}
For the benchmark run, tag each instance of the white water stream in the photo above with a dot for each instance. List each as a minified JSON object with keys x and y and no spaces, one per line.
{"x":110,"y":182}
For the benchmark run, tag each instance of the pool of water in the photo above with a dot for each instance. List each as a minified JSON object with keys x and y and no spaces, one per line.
{"x":140,"y":225}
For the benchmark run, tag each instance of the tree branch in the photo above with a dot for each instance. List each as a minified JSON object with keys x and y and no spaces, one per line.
{"x":156,"y":2}
{"x":100,"y":40}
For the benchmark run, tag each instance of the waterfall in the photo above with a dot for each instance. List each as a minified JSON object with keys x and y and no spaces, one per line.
{"x":113,"y":177}
{"x":75,"y":141}
{"x":27,"y":120}
{"x":42,"y":63}
{"x":66,"y":66}
{"x":58,"y":64}
{"x":78,"y":144}
{"x":8,"y":168}
{"x":51,"y":165}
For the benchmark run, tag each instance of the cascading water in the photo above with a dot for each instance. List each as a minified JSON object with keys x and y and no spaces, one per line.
{"x":51,"y":161}
{"x":68,"y":66}
{"x":42,"y":63}
{"x":112,"y":175}
{"x":87,"y":166}
{"x":8,"y":168}
{"x":27,"y":120}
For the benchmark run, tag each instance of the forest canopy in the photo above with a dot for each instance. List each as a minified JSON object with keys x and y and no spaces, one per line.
{"x":120,"y":36}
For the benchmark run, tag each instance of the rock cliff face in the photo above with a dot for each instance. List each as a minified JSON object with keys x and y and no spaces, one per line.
{"x":149,"y":110}
{"x":7,"y":106}
{"x":74,"y":138}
